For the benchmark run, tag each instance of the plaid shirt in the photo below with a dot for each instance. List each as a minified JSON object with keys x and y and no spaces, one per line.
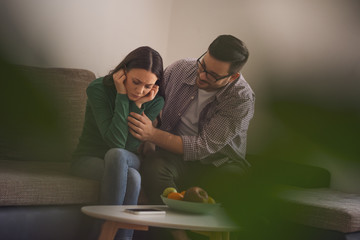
{"x":223,"y":122}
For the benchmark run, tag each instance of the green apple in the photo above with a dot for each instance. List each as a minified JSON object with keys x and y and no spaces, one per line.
{"x":211,"y":200}
{"x":168,"y":190}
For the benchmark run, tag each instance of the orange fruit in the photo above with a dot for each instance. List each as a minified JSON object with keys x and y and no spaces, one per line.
{"x":183,"y":193}
{"x":175,"y":196}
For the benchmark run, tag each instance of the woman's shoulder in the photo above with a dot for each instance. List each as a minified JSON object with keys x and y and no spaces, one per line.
{"x":97,"y":82}
{"x":96,"y":85}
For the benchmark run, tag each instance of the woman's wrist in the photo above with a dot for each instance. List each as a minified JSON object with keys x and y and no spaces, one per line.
{"x":139,"y":105}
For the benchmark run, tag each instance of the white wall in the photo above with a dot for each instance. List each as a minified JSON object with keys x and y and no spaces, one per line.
{"x":283,"y":36}
{"x":91,"y":34}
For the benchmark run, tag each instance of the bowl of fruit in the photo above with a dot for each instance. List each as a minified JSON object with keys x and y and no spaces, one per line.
{"x":193,"y":200}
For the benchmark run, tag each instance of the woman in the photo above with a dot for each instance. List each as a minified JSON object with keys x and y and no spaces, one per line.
{"x":107,"y":151}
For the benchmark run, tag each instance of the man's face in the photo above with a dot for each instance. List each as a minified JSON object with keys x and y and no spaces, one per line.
{"x":213,"y":74}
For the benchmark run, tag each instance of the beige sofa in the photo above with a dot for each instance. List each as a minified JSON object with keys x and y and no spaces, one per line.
{"x":39,"y":199}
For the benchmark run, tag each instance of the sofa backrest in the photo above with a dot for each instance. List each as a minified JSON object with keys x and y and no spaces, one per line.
{"x":44,"y":112}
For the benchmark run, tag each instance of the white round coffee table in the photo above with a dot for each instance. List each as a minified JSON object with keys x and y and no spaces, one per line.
{"x":215,"y":225}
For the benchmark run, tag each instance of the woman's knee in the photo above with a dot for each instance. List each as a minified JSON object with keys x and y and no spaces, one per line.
{"x":134,"y":176}
{"x":114,"y":153}
{"x":114,"y":158}
{"x":118,"y":157}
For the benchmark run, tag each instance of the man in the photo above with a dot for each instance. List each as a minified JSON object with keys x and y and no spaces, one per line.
{"x":203,"y":131}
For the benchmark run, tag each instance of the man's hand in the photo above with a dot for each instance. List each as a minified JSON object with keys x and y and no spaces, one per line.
{"x":119,"y":79}
{"x":140,"y":126}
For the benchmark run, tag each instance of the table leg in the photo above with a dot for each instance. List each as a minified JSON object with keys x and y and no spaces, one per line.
{"x":109,"y":229}
{"x":225,"y":235}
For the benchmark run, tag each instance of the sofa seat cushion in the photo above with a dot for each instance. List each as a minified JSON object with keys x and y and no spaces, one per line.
{"x":323,"y":208}
{"x":43,"y":183}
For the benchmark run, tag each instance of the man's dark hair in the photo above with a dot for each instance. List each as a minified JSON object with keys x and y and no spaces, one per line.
{"x":228,"y":48}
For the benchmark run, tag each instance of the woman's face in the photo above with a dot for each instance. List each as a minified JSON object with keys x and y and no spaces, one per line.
{"x":138,"y":83}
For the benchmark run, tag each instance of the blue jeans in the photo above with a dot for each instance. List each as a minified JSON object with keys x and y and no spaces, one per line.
{"x":119,"y":179}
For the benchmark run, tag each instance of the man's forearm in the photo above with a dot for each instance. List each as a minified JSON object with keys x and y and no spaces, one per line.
{"x":168,"y":141}
{"x":141,"y":127}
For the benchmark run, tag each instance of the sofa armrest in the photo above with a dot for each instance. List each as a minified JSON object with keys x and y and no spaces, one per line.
{"x":323,"y":208}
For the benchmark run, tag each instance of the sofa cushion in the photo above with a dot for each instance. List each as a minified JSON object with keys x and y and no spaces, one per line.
{"x":44,"y":112}
{"x":322,"y":208}
{"x":43,"y":183}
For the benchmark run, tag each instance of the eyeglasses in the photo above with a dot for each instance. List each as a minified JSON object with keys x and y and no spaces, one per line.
{"x":209,"y":76}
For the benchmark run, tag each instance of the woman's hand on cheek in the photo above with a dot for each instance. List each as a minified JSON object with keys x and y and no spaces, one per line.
{"x":119,"y":80}
{"x":148,"y":97}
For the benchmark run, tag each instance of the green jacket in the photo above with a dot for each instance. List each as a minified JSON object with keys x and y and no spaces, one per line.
{"x":105,"y":124}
